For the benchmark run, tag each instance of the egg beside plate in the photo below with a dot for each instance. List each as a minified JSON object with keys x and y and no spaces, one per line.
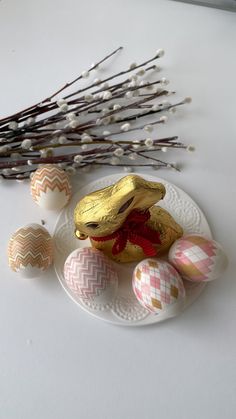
{"x":158,"y":287}
{"x":30,"y":250}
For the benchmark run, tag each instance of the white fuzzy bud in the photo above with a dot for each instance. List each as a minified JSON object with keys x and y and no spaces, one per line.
{"x":85,"y":138}
{"x":6,"y":172}
{"x":57,"y":132}
{"x":88,"y":98}
{"x":114,"y":161}
{"x":140,"y":72}
{"x":187,"y":100}
{"x":26,"y":144}
{"x":148,"y":128}
{"x":107,"y":95}
{"x":13,"y":125}
{"x":98,"y":121}
{"x":163,"y":119}
{"x":164,"y":81}
{"x":97,"y":96}
{"x":105,"y":133}
{"x":4,"y":149}
{"x":156,"y":68}
{"x":133,"y":156}
{"x":62,"y":165}
{"x":142,"y":83}
{"x":96,"y":81}
{"x":18,"y":168}
{"x":30,"y":162}
{"x":64,"y":108}
{"x":133,"y":77}
{"x":164,"y":149}
{"x":116,"y":107}
{"x":30,"y":121}
{"x":62,"y":139}
{"x":71,"y":170}
{"x":43,"y":153}
{"x":190,"y":148}
{"x":160,"y":53}
{"x":129,"y":95}
{"x":155,"y":107}
{"x":125,"y":127}
{"x":84,"y":147}
{"x":78,"y":158}
{"x":61,"y":102}
{"x":105,"y":111}
{"x":173,"y":109}
{"x":105,"y":85}
{"x":85,"y":74}
{"x":54,"y":141}
{"x":136,"y":146}
{"x":132,"y":84}
{"x":106,"y":121}
{"x":118,"y":152}
{"x":73,"y":124}
{"x":132,"y":66}
{"x":148,"y":142}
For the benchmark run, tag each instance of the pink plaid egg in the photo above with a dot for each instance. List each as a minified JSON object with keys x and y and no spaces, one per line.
{"x":158,"y":287}
{"x":197,"y":258}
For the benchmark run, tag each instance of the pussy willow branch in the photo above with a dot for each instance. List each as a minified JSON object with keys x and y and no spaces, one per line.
{"x":36,"y":133}
{"x":49,"y":98}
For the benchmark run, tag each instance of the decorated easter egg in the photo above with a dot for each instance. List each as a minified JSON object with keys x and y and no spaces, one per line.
{"x":30,"y":250}
{"x":91,"y":277}
{"x":197,"y":258}
{"x":158,"y":287}
{"x":50,"y":187}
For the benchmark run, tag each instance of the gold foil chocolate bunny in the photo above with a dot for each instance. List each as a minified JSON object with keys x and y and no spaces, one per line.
{"x":122,"y":221}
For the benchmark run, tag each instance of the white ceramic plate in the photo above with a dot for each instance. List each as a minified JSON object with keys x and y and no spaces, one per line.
{"x":125,"y":309}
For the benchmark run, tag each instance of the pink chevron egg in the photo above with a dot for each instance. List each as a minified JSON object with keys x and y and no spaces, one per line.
{"x":30,"y":250}
{"x":158,"y":287}
{"x":197,"y":258}
{"x":91,"y":277}
{"x":50,"y":187}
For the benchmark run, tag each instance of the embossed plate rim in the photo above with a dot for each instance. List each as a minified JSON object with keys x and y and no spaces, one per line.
{"x":109,"y":315}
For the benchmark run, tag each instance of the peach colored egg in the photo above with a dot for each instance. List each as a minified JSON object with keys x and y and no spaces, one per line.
{"x":30,"y":250}
{"x":50,"y":187}
{"x":198,"y":259}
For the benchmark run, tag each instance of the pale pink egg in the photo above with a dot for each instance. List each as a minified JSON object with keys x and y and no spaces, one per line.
{"x":158,"y":287}
{"x":91,"y":277}
{"x":197,"y":258}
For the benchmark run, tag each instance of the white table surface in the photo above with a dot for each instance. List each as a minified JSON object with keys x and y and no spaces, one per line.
{"x":55,"y":360}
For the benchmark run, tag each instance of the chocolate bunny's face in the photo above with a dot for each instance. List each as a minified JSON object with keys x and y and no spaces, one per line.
{"x":104,"y":211}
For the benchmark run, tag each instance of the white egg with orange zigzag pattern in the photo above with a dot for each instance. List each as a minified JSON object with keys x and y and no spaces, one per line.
{"x":50,"y":187}
{"x":30,"y":250}
{"x":91,"y":277}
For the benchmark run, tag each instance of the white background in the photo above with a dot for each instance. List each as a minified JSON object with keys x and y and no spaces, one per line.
{"x":55,"y":360}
